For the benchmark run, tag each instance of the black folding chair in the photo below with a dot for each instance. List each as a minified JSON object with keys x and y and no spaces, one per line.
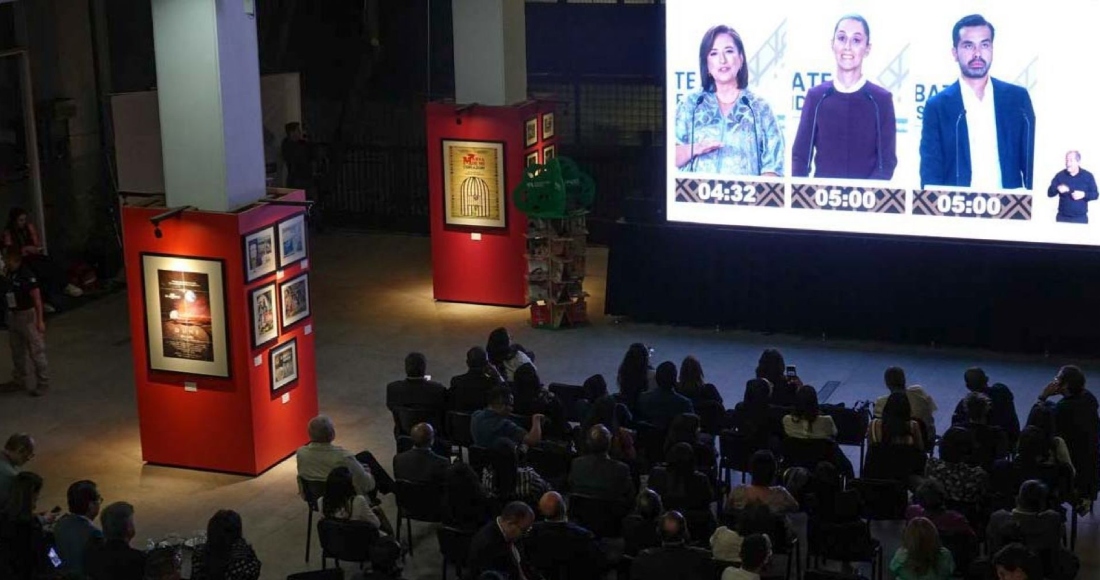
{"x":454,"y":545}
{"x":735,"y":450}
{"x":422,"y":502}
{"x":602,"y":517}
{"x":311,"y":491}
{"x":851,"y":427}
{"x":458,"y":429}
{"x":345,"y":541}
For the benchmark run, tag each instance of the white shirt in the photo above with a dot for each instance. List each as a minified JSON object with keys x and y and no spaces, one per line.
{"x":316,"y":460}
{"x":850,"y":89}
{"x":981,"y":124}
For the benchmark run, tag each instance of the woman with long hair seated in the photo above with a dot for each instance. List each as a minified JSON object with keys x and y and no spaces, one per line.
{"x":773,"y":367}
{"x":506,"y":355}
{"x":1042,"y":418}
{"x":763,"y":469}
{"x":921,"y":555}
{"x":226,"y":555}
{"x":531,"y":398}
{"x":752,"y":417}
{"x":692,"y":384}
{"x":342,"y":502}
{"x":896,"y":427}
{"x":806,"y":421}
{"x":635,"y":376}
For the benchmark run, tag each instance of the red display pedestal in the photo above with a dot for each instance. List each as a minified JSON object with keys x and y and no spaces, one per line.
{"x":235,"y":423}
{"x":473,"y":261}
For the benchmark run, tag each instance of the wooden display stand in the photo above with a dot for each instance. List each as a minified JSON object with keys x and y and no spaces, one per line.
{"x":555,"y":271}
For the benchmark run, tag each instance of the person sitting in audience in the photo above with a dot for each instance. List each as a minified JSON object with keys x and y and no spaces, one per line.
{"x":635,"y":376}
{"x":319,"y":457}
{"x":420,"y":464}
{"x":963,"y":480}
{"x":114,"y":559}
{"x":896,"y":426}
{"x":497,"y":547}
{"x":557,"y":546}
{"x":755,"y":554}
{"x":674,"y":558}
{"x":531,"y":398}
{"x":692,"y":385}
{"x":470,"y":390}
{"x":75,"y":529}
{"x":921,"y":555}
{"x":593,"y":389}
{"x":640,"y":526}
{"x":18,"y":450}
{"x":752,"y":417}
{"x":416,"y":391}
{"x":616,"y":418}
{"x":921,"y":405}
{"x":763,"y":469}
{"x":680,"y":485}
{"x":687,"y":428}
{"x":771,"y":366}
{"x":342,"y":502}
{"x":465,"y":504}
{"x":226,"y":555}
{"x":527,"y":484}
{"x":806,"y":420}
{"x":162,"y":564}
{"x":506,"y":355}
{"x":495,"y":422}
{"x":931,"y":503}
{"x":991,"y":442}
{"x":1035,"y":459}
{"x":1038,"y":526}
{"x":1076,"y":420}
{"x":1053,"y":447}
{"x":597,"y":474}
{"x":1016,"y":562}
{"x":1002,"y":406}
{"x":23,"y":541}
{"x":659,"y":406}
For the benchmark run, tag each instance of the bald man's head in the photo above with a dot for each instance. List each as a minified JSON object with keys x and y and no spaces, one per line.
{"x":423,"y":435}
{"x":599,"y":439}
{"x":552,"y":506}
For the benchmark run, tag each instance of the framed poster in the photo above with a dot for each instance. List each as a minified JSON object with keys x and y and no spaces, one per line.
{"x":473,"y":184}
{"x":292,"y":240}
{"x":185,"y":326}
{"x":294,"y":300}
{"x":284,"y":364}
{"x":547,"y":125}
{"x":259,"y":253}
{"x":531,"y":132}
{"x":264,"y":327}
{"x":532,"y":159}
{"x":548,"y":153}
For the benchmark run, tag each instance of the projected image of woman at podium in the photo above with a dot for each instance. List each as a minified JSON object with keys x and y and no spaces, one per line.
{"x":847,"y":128}
{"x":725,"y":128}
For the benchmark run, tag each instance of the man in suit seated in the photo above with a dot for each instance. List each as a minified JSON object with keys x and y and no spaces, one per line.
{"x":420,"y":464}
{"x":75,"y":529}
{"x":991,"y":442}
{"x":675,"y":558}
{"x":416,"y":391}
{"x":114,"y":559}
{"x":598,"y":475}
{"x":470,"y":390}
{"x":496,"y":546}
{"x":557,"y":545}
{"x":661,"y":405}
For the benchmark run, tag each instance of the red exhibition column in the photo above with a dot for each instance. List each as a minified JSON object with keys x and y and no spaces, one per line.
{"x":215,"y":394}
{"x":476,"y":258}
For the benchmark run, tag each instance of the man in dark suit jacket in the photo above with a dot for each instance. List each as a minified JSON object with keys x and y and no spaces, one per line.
{"x":76,"y":529}
{"x":557,"y":545}
{"x":661,"y":405}
{"x":113,"y":558}
{"x":598,"y":475}
{"x":674,"y":559}
{"x":417,"y":391}
{"x":946,"y":157}
{"x":496,"y":546}
{"x":420,"y":464}
{"x":470,"y":390}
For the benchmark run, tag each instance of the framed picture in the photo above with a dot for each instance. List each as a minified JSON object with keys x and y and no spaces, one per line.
{"x":292,"y":240}
{"x":547,"y":125}
{"x":264,"y":327}
{"x":284,"y":364}
{"x":185,"y":326}
{"x":548,"y":153}
{"x":473,"y":184}
{"x":259,"y":254}
{"x":532,"y":159}
{"x":294,"y":300}
{"x":531,"y":132}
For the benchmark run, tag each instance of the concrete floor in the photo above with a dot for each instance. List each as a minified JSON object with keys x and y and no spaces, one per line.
{"x":372,"y":304}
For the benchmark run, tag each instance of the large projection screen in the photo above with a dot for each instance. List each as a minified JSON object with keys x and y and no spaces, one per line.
{"x":885,"y":128}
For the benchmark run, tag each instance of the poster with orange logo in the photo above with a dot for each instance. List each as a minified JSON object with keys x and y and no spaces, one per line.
{"x":473,"y":184}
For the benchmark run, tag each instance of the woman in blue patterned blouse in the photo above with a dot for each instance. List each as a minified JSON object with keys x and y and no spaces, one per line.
{"x":725,"y":128}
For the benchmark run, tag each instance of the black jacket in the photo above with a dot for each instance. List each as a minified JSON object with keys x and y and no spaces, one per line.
{"x":564,"y":547}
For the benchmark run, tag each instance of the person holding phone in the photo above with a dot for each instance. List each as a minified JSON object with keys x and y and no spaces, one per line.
{"x":1076,"y":421}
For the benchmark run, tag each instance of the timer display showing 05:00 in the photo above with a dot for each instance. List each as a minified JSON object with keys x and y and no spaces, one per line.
{"x":852,"y":199}
{"x":963,"y":205}
{"x":739,"y":193}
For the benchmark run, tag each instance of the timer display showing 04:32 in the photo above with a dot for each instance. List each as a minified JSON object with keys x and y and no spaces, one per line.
{"x":729,"y":192}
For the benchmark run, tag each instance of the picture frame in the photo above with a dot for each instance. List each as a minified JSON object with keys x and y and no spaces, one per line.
{"x":549,"y":152}
{"x":473,"y":184}
{"x":185,"y":325}
{"x":283,"y":364}
{"x":259,"y":253}
{"x":531,"y":132}
{"x":547,"y":125}
{"x":294,"y":304}
{"x":293,"y":241}
{"x":264,"y":306}
{"x":532,"y":159}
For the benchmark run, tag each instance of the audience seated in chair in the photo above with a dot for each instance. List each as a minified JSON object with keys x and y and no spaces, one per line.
{"x":532,"y":398}
{"x":113,"y":558}
{"x":341,"y":501}
{"x":489,"y":425}
{"x":659,"y":406}
{"x":1035,"y":459}
{"x":763,"y":469}
{"x":921,"y":405}
{"x":319,"y":457}
{"x":597,"y":474}
{"x":470,"y":391}
{"x":420,"y":464}
{"x":466,"y":506}
{"x":641,"y":525}
{"x":687,"y":428}
{"x":675,"y":558}
{"x":931,"y":498}
{"x":559,"y":548}
{"x":416,"y":391}
{"x":896,"y":427}
{"x":505,"y":355}
{"x":806,"y":420}
{"x":616,"y":418}
{"x":75,"y":529}
{"x":1053,"y":448}
{"x":1076,"y":421}
{"x":23,"y":541}
{"x":635,"y":376}
{"x":990,"y":442}
{"x":956,"y":468}
{"x":755,"y":554}
{"x":18,"y":450}
{"x":752,"y":417}
{"x":772,"y":367}
{"x":226,"y":555}
{"x":680,"y":485}
{"x":692,"y":385}
{"x":1039,"y":526}
{"x":921,"y":555}
{"x":497,"y":546}
{"x":1001,"y":408}
{"x":527,"y":485}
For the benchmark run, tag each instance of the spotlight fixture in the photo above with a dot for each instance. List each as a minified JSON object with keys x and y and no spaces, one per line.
{"x":172,"y":213}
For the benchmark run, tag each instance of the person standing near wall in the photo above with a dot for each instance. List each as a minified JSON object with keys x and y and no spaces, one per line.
{"x":26,"y":323}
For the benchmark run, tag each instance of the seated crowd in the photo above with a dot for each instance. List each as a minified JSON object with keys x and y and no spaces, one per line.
{"x":565,"y":481}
